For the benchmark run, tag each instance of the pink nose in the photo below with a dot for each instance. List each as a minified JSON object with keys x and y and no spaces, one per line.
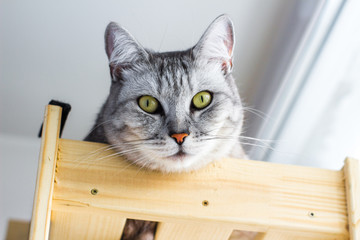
{"x":179,"y":137}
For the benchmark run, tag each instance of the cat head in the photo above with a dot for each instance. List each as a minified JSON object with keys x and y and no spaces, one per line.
{"x":173,"y":111}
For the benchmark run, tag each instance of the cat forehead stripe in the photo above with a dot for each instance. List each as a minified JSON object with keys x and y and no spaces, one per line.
{"x":173,"y":69}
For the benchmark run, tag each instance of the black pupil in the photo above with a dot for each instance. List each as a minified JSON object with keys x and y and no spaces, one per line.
{"x":147,"y":103}
{"x":202,"y":98}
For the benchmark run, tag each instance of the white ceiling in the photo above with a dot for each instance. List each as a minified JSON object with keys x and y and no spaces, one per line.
{"x":54,"y":50}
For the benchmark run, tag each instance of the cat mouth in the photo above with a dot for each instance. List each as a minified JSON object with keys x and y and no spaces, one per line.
{"x":180,"y":155}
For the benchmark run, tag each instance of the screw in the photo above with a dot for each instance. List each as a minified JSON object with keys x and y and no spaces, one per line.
{"x":94,"y":191}
{"x":311,"y":214}
{"x":205,"y":203}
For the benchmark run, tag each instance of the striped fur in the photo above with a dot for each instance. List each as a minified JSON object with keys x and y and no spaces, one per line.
{"x":173,"y":78}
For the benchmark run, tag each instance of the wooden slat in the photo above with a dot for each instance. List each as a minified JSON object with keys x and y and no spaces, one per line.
{"x":352,"y":178}
{"x":40,"y":221}
{"x":290,"y":235}
{"x":85,"y":226}
{"x":178,"y":231}
{"x":273,"y":235}
{"x":241,"y":194}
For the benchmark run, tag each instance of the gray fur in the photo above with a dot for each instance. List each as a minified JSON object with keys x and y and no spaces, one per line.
{"x":173,"y":78}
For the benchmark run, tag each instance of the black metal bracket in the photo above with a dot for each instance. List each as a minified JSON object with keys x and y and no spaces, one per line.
{"x":66,"y":108}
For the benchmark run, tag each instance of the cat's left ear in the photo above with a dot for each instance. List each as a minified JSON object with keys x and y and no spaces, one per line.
{"x":217,"y":44}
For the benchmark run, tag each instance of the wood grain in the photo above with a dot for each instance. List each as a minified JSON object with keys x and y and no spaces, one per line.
{"x":281,"y":234}
{"x":241,"y":194}
{"x":40,"y":221}
{"x":352,"y":178}
{"x":85,"y":226}
{"x":181,"y":231}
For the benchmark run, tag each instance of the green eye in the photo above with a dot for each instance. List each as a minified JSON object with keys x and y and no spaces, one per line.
{"x":148,"y":103}
{"x":202,"y":100}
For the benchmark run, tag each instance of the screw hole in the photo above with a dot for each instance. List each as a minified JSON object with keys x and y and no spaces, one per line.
{"x":94,"y":191}
{"x":311,"y":214}
{"x":205,"y":203}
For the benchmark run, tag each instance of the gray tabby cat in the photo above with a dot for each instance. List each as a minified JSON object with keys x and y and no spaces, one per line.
{"x":172,"y":111}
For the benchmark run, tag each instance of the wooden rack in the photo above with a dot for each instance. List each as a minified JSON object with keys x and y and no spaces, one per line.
{"x":84,"y":191}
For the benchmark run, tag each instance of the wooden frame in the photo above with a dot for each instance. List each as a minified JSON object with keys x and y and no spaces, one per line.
{"x":85,"y":191}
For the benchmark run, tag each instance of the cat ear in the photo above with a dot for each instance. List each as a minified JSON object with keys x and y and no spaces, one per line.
{"x":122,"y":49}
{"x":217,"y":44}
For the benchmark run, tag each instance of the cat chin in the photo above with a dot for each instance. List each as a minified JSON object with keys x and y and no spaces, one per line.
{"x":178,"y":164}
{"x":180,"y":161}
{"x":174,"y":164}
{"x":171,"y":164}
{"x":177,"y":168}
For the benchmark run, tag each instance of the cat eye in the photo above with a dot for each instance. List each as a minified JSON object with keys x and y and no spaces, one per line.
{"x":201,"y":100}
{"x":148,"y":103}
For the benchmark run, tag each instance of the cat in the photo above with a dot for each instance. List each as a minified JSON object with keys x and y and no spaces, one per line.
{"x":171,"y":111}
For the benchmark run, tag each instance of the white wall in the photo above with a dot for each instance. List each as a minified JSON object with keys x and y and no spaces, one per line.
{"x":18,"y":167}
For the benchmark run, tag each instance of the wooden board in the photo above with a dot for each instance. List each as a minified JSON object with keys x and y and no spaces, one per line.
{"x":85,"y":226}
{"x":179,"y":231}
{"x":40,"y":221}
{"x":241,"y":194}
{"x":352,"y":177}
{"x":280,"y":234}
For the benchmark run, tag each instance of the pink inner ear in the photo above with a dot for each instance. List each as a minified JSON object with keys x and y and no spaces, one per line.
{"x":226,"y":66}
{"x":229,"y":46}
{"x":228,"y":42}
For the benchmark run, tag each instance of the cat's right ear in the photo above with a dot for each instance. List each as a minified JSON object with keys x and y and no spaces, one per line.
{"x":122,"y":49}
{"x":217,"y":44}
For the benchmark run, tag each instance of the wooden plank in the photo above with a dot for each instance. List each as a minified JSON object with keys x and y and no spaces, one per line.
{"x":271,"y":235}
{"x":87,"y":226}
{"x":18,"y":230}
{"x":352,"y":179}
{"x":40,"y":221}
{"x":241,"y":194}
{"x":179,"y":231}
{"x":288,"y":234}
